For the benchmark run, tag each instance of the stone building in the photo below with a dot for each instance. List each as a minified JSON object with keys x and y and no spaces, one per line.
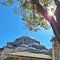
{"x":27,"y":56}
{"x":55,"y":49}
{"x":1,"y":49}
{"x":27,"y":45}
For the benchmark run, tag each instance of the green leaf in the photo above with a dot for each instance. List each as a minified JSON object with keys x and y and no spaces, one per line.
{"x":10,"y":2}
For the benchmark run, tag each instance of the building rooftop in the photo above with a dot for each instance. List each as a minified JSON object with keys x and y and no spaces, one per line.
{"x":33,"y":55}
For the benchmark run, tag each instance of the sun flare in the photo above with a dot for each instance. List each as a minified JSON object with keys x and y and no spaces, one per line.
{"x":50,"y":13}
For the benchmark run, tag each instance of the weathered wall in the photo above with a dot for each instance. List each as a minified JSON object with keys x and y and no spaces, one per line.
{"x":55,"y":49}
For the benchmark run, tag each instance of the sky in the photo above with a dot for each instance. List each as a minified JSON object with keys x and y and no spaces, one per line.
{"x":11,"y":27}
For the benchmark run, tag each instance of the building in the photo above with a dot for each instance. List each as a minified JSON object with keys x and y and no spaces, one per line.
{"x":28,"y":56}
{"x":26,"y":47}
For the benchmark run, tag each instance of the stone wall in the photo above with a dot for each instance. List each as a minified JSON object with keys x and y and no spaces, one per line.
{"x":24,"y":43}
{"x":6,"y":51}
{"x":55,"y":49}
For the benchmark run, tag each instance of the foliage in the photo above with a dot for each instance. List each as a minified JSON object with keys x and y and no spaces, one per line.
{"x":33,"y":19}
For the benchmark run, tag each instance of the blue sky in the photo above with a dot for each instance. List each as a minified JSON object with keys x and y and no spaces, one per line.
{"x":11,"y":28}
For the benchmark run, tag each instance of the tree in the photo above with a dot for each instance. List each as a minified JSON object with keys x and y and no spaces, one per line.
{"x":35,"y":13}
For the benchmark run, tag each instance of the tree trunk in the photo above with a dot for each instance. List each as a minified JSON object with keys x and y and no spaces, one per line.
{"x":48,"y":18}
{"x":55,"y":27}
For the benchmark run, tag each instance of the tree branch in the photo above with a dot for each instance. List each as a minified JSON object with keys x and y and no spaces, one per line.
{"x":56,"y":2}
{"x":55,"y":29}
{"x":49,"y":18}
{"x":42,"y":10}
